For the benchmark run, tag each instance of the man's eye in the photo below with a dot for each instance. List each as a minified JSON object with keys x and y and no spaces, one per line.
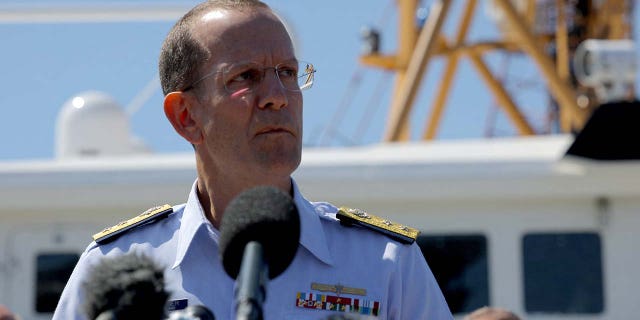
{"x":287,"y":72}
{"x":247,"y":75}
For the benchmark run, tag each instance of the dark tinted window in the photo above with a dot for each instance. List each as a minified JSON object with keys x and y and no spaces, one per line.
{"x":52,"y":273}
{"x":563,"y":273}
{"x":459,"y":264}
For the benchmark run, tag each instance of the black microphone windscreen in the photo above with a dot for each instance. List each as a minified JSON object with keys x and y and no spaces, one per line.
{"x":125,"y":287}
{"x":266,"y":215}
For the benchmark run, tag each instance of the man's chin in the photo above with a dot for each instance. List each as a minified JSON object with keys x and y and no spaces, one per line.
{"x":280,"y":162}
{"x":284,"y":165}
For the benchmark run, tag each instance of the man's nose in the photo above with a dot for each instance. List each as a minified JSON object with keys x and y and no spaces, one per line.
{"x":272,"y":94}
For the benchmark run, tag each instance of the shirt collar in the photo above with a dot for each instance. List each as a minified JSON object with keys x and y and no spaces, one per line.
{"x":312,"y":234}
{"x":192,"y":220}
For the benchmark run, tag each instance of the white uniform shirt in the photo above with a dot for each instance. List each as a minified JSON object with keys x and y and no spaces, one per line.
{"x":396,"y":280}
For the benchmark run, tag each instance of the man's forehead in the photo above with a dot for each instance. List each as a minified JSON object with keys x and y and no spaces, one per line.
{"x":230,"y":31}
{"x":222,"y":19}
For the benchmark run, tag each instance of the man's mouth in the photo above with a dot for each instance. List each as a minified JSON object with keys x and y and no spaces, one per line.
{"x":274,"y":130}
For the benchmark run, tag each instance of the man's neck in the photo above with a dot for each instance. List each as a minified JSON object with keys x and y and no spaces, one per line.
{"x":215,"y":192}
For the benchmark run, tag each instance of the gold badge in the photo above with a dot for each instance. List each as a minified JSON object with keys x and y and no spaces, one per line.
{"x":338,"y":289}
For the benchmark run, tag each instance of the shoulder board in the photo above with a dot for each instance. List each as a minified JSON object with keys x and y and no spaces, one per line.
{"x":112,"y":233}
{"x":404,"y":234}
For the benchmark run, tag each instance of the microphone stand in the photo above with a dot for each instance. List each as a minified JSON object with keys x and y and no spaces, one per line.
{"x":251,"y":283}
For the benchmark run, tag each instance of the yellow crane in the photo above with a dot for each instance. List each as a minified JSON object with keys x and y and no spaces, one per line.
{"x":568,"y":23}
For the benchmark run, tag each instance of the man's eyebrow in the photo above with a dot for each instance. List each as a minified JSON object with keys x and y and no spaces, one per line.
{"x":250,"y":62}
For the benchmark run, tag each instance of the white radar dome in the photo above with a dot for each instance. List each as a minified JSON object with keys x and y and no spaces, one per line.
{"x":93,"y":124}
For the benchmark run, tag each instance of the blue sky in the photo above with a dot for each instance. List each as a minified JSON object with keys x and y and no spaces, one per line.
{"x":44,"y":64}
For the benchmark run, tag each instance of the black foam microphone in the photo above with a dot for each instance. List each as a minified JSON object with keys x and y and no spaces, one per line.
{"x":126,"y":287}
{"x":259,"y":237}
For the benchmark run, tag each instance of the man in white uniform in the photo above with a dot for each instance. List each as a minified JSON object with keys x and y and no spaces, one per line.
{"x":232,"y":87}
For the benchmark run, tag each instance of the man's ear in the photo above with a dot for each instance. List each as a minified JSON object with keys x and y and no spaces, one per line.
{"x":178,"y":107}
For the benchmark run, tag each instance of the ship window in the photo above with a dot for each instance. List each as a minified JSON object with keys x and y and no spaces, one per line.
{"x":53,"y":271}
{"x":459,"y":264}
{"x":563,"y":273}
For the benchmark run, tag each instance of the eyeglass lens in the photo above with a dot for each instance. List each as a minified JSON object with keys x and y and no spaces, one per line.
{"x":294,"y":76}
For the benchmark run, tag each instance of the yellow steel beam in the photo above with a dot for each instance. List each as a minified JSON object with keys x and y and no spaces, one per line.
{"x":407,"y":37}
{"x":441,"y":97}
{"x":610,"y":20}
{"x":501,"y":95}
{"x":449,"y":72}
{"x":560,"y":89}
{"x":618,"y":28}
{"x":562,"y":58}
{"x":478,"y":47}
{"x":381,"y":61}
{"x":562,"y":42}
{"x":530,"y":12}
{"x":407,"y":31}
{"x":407,"y":89}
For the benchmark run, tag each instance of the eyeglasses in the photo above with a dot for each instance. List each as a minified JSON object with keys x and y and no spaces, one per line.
{"x":245,"y":77}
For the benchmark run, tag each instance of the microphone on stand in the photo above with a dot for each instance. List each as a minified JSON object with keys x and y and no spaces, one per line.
{"x":260,"y":231}
{"x":126,"y":287}
{"x":130,"y":287}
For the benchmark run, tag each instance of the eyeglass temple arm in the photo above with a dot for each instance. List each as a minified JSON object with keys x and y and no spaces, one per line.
{"x":309,"y":81}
